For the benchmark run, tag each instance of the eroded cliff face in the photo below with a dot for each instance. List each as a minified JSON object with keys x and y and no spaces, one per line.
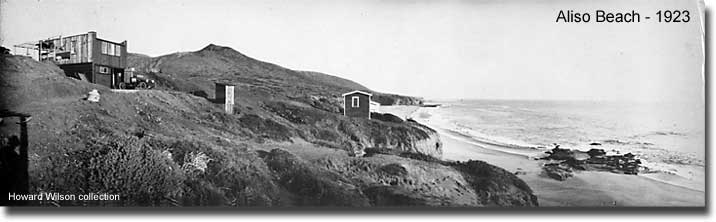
{"x":355,"y":134}
{"x":431,"y":146}
{"x":407,"y":137}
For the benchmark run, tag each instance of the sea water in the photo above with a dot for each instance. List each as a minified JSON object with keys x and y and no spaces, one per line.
{"x":669,"y":138}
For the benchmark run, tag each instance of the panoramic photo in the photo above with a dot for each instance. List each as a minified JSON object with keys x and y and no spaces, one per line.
{"x":353,"y":104}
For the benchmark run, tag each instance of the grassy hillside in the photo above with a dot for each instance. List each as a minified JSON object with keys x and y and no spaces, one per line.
{"x":196,"y":72}
{"x":172,"y":148}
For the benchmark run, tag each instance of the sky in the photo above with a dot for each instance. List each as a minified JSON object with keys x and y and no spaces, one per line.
{"x":480,"y":49}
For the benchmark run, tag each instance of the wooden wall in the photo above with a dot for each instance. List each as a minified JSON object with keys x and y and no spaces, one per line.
{"x":109,"y":60}
{"x":363,"y":109}
{"x":86,"y":48}
{"x":72,"y":49}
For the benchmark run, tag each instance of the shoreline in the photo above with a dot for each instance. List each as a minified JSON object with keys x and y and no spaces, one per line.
{"x":585,"y":189}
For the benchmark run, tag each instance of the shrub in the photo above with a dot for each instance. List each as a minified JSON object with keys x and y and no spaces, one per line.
{"x":265,"y":127}
{"x":386,"y":117}
{"x":155,"y":171}
{"x":115,"y":164}
{"x":495,"y":186}
{"x":311,"y":185}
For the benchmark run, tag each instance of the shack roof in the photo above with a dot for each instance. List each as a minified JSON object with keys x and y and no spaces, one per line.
{"x":225,"y":84}
{"x":356,"y":91}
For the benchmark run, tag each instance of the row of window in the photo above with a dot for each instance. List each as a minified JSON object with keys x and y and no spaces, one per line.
{"x":111,"y":49}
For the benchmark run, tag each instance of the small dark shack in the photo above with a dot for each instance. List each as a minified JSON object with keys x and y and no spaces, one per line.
{"x":357,"y":104}
{"x":224,"y":93}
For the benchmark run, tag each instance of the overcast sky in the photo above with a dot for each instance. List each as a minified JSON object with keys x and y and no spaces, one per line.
{"x":433,"y":49}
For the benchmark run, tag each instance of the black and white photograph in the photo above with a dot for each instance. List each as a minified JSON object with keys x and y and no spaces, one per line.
{"x":358,"y":104}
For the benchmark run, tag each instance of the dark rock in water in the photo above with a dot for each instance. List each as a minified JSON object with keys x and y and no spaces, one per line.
{"x":630,"y":165}
{"x":557,"y":171}
{"x":596,"y":152}
{"x":595,"y":144}
{"x":574,"y":163}
{"x":560,"y":154}
{"x":598,"y":160}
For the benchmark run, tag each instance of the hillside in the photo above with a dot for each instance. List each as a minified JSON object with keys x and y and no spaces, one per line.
{"x":196,"y":72}
{"x":172,"y":148}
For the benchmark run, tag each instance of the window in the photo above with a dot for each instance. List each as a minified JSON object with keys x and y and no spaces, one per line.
{"x":104,"y":46}
{"x":73,"y":45}
{"x":117,"y":50}
{"x":355,"y":101}
{"x":64,"y":46}
{"x":103,"y":69}
{"x":111,"y":49}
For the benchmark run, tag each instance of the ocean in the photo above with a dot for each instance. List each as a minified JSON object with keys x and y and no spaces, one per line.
{"x":669,"y":138}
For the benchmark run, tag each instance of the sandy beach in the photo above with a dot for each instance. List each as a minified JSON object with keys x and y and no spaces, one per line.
{"x":586,"y":188}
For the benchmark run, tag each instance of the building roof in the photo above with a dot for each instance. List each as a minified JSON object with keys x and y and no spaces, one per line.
{"x":357,"y":91}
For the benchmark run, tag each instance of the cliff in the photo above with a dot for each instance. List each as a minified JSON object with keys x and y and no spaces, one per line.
{"x":354,"y":134}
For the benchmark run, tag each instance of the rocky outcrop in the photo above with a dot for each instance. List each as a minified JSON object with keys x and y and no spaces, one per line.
{"x":594,"y":159}
{"x":406,"y":137}
{"x":557,"y":171}
{"x":429,"y":146}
